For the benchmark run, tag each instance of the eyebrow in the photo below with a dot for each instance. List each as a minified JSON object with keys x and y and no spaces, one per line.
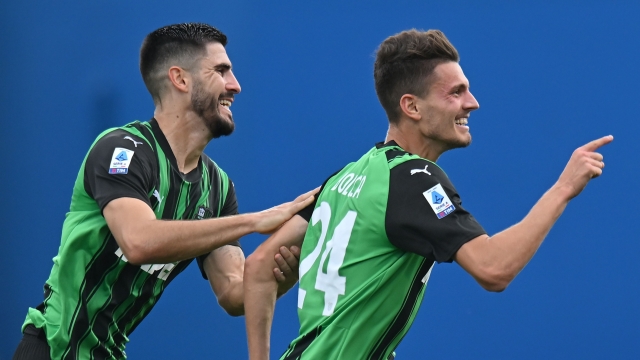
{"x":459,"y":86}
{"x":223,"y":66}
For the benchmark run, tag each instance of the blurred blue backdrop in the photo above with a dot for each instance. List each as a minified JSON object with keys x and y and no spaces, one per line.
{"x":549,"y":77}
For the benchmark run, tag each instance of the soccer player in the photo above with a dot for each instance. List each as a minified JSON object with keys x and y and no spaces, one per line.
{"x":380,"y":224}
{"x":130,"y":229}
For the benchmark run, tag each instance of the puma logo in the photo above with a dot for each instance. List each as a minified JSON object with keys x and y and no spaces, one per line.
{"x":415,"y":171}
{"x":157,"y":195}
{"x":135,"y":143}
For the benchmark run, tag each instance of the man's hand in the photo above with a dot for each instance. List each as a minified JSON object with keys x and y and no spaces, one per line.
{"x":288,"y":261}
{"x":271,"y":219}
{"x":584,"y":165}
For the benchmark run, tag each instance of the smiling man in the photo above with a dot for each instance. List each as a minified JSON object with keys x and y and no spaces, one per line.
{"x":129,"y":231}
{"x":378,"y":226}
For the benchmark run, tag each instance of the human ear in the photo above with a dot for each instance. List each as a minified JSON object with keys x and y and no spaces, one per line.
{"x":179,"y":78}
{"x":409,"y":106}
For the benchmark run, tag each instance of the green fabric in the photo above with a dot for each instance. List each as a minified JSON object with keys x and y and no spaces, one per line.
{"x":86,"y":243}
{"x":352,"y":249}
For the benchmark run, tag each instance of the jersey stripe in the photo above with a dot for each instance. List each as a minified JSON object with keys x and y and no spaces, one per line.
{"x":79,"y":325}
{"x":404,"y":314}
{"x":303,"y":344}
{"x":113,"y":296}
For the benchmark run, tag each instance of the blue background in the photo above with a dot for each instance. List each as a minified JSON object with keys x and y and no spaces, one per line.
{"x":549,"y":77}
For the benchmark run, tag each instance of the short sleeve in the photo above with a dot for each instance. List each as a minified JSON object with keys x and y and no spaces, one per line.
{"x":119,"y":165}
{"x":307,"y":212}
{"x":230,"y":206}
{"x":425,"y":214}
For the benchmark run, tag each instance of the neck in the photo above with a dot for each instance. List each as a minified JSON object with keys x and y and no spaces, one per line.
{"x":411,"y":139}
{"x":187,"y":135}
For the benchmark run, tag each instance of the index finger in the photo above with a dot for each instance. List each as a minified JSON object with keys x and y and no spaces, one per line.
{"x":595,"y":144}
{"x":307,"y":195}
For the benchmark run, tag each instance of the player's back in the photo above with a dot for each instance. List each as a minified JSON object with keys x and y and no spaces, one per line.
{"x":358,"y":292}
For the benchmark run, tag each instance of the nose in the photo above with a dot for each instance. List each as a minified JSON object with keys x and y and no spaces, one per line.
{"x":232,"y":84}
{"x":471,"y":103}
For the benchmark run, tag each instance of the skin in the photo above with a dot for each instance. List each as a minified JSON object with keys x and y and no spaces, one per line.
{"x":427,"y":127}
{"x":190,"y":115}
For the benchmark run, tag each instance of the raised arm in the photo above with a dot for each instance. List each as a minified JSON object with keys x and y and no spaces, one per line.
{"x":145,"y":240}
{"x":261,"y":288}
{"x":495,"y":261}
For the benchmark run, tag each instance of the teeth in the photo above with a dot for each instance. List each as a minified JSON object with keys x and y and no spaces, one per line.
{"x":461,"y":121}
{"x":226,"y":103}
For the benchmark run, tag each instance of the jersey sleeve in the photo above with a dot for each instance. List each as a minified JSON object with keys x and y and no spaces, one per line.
{"x":425,"y":214}
{"x":119,"y":165}
{"x":230,"y":206}
{"x":307,"y":212}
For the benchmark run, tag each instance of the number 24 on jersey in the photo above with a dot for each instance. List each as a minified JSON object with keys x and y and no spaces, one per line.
{"x":329,"y":282}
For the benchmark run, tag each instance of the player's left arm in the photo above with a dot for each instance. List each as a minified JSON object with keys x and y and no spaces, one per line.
{"x":495,"y":261}
{"x":260,"y":286}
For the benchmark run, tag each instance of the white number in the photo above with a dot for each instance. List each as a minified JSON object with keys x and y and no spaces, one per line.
{"x":329,"y":282}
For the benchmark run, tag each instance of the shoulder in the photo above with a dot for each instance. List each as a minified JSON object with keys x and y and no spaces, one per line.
{"x":118,"y":140}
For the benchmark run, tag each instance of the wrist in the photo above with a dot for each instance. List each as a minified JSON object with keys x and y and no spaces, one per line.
{"x":563,"y":192}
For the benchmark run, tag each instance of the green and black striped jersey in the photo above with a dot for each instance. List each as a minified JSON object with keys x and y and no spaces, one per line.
{"x":94,"y":298}
{"x":375,"y":232}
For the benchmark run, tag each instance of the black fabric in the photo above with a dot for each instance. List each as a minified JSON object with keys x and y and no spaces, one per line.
{"x":402,"y":317}
{"x":103,"y":186}
{"x":193,"y":175}
{"x":412,"y":224}
{"x":33,"y":345}
{"x":308,"y":211}
{"x":230,"y":207}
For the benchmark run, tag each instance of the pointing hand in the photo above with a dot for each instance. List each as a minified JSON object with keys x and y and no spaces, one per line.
{"x":584,"y":165}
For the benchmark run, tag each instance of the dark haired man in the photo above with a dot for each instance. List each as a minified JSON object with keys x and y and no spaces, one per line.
{"x":380,"y":224}
{"x":119,"y":250}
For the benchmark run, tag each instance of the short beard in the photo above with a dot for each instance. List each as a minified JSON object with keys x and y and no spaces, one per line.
{"x":206,"y":107}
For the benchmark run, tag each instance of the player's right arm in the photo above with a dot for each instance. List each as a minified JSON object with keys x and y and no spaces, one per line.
{"x":124,"y":200}
{"x":261,"y":287}
{"x":495,"y":261}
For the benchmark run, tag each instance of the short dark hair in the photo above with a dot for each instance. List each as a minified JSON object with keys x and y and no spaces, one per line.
{"x":404,"y":63}
{"x":179,"y":44}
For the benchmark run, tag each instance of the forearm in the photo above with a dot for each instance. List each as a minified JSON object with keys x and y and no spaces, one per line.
{"x":261,"y":287}
{"x":503,"y":255}
{"x":260,"y":292}
{"x":163,"y":241}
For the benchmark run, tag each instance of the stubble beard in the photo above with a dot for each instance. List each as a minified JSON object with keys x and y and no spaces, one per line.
{"x":205,"y":105}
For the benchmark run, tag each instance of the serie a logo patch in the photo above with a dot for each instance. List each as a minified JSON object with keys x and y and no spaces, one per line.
{"x":120,"y":161}
{"x":439,"y":201}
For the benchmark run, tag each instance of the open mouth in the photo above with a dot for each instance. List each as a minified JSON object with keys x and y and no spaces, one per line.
{"x":226,"y":103}
{"x":462,"y":122}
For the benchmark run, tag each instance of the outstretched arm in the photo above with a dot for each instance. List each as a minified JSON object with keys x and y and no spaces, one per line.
{"x":495,"y":261}
{"x":261,"y":288}
{"x":146,"y":240}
